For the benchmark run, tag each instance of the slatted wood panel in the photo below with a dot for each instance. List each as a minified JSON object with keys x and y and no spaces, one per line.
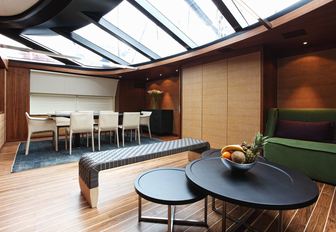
{"x":48,"y":199}
{"x":244,"y":97}
{"x":307,"y":81}
{"x":192,"y":102}
{"x":214,"y":110}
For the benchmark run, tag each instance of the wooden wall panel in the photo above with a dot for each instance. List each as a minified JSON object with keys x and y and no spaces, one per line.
{"x":130,"y":96}
{"x":307,"y":81}
{"x":17,"y":103}
{"x":170,"y":99}
{"x":244,"y":97}
{"x":214,"y":113}
{"x":2,"y":129}
{"x":192,"y":102}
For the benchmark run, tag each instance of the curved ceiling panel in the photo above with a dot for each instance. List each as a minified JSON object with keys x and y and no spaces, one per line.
{"x":15,"y":7}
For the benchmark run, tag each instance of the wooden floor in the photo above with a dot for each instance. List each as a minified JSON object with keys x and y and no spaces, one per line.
{"x":48,"y":199}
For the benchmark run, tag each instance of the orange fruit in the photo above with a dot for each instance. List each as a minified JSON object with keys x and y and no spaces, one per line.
{"x":226,"y":155}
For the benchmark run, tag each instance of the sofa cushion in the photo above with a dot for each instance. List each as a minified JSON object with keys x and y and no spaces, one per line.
{"x":301,"y":144}
{"x":311,"y":131}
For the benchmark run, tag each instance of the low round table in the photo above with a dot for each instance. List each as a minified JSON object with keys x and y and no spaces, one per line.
{"x":266,"y":186}
{"x":168,"y":186}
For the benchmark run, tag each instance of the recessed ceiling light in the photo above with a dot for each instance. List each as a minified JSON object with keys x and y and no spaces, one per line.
{"x":147,"y":78}
{"x":305,"y":43}
{"x":160,"y":74}
{"x":176,"y":70}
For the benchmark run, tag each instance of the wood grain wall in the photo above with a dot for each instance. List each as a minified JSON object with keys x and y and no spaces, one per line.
{"x":308,"y":81}
{"x":17,"y":103}
{"x":2,"y":129}
{"x":170,"y":99}
{"x":130,"y":96}
{"x":2,"y":106}
{"x":221,"y":100}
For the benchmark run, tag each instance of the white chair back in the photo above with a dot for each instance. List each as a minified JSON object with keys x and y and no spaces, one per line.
{"x":145,"y":117}
{"x":108,"y":120}
{"x":131,"y":120}
{"x":81,"y":122}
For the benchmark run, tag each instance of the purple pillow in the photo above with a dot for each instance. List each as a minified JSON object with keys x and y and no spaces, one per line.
{"x":311,"y":131}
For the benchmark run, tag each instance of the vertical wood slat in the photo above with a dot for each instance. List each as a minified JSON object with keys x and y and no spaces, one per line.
{"x":17,"y":103}
{"x":244,"y":86}
{"x":192,"y":102}
{"x":214,"y":110}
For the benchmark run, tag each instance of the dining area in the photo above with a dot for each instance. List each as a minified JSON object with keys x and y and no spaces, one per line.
{"x":76,"y":126}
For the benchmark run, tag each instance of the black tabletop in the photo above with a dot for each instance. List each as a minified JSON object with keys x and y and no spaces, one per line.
{"x":167,"y":186}
{"x":266,"y":185}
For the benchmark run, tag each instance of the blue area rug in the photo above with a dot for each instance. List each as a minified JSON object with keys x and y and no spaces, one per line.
{"x":42,"y":153}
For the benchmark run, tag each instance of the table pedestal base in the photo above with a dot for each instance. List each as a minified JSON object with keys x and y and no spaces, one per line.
{"x":241,"y":221}
{"x":171,"y":220}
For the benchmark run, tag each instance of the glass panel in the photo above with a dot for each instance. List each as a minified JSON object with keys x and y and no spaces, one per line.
{"x":21,"y":55}
{"x":198,"y":19}
{"x":111,"y":44}
{"x":241,"y":9}
{"x":62,"y":45}
{"x":144,"y":30}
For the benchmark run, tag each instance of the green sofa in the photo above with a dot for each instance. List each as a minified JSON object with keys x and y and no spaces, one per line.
{"x":315,"y":159}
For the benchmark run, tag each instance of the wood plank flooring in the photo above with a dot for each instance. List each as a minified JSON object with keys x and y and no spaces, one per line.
{"x":48,"y":199}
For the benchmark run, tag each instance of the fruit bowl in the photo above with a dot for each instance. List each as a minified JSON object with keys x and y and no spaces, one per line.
{"x":236,"y":167}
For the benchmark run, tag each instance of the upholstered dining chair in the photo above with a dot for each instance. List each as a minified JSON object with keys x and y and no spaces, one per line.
{"x":81,"y":122}
{"x":40,"y":125}
{"x":108,"y":121}
{"x":145,"y":120}
{"x":131,"y":121}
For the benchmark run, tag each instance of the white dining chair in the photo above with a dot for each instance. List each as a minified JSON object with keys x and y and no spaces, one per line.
{"x":36,"y":125}
{"x":62,"y":122}
{"x":81,"y":122}
{"x":109,"y":122}
{"x":145,"y":120}
{"x":131,"y":121}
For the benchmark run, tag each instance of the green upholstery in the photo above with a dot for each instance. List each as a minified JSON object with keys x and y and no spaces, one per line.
{"x":315,"y":159}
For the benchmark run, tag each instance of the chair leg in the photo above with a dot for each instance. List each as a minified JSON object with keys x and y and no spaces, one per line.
{"x":70,"y":143}
{"x":66,"y":140}
{"x":99,"y":140}
{"x":28,"y":142}
{"x":123,"y":137}
{"x":131,"y":135}
{"x":87,"y":139}
{"x":139,"y":136}
{"x":56,"y":139}
{"x":110,"y":132}
{"x":92,"y":135}
{"x":117,"y":136}
{"x":149,"y":131}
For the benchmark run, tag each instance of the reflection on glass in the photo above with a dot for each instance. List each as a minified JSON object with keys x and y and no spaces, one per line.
{"x":110,"y":44}
{"x":241,"y":9}
{"x":62,"y":45}
{"x":130,"y":20}
{"x":21,"y":55}
{"x":198,"y":19}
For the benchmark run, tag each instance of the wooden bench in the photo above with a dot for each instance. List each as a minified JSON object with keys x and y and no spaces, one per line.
{"x":92,"y":163}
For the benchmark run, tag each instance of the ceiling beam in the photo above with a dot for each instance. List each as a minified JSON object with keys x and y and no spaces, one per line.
{"x":165,"y":24}
{"x":121,"y":35}
{"x":90,"y":46}
{"x":227,"y":14}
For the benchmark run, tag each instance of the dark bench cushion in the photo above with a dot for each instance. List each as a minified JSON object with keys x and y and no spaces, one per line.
{"x":92,"y":163}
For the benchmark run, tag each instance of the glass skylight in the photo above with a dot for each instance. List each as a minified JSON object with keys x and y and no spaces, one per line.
{"x":198,"y":19}
{"x":62,"y":45}
{"x":241,"y":9}
{"x":22,"y":55}
{"x":111,"y":44}
{"x":130,"y":20}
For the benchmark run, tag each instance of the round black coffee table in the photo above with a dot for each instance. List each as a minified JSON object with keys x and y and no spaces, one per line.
{"x":168,"y":186}
{"x":266,"y":186}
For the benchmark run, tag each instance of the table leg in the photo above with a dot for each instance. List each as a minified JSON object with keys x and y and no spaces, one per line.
{"x":139,"y":209}
{"x":213,"y":204}
{"x":280,"y":222}
{"x":206,"y":210}
{"x":171,"y":213}
{"x":224,"y":217}
{"x":77,"y":140}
